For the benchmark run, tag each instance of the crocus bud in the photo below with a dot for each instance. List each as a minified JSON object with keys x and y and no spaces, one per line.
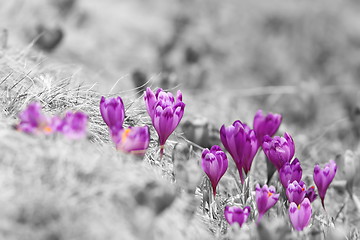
{"x":74,"y":125}
{"x":165,"y":112}
{"x":323,"y":177}
{"x":32,"y":120}
{"x":266,"y":125}
{"x":112,"y":111}
{"x":266,"y":197}
{"x":279,"y":150}
{"x":214,"y":163}
{"x":236,"y":215}
{"x":290,"y":172}
{"x":311,"y":194}
{"x":296,"y":191}
{"x":300,"y":215}
{"x":241,"y":143}
{"x":133,"y":140}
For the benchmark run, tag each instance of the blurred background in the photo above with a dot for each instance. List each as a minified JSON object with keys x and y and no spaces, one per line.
{"x":230,"y":57}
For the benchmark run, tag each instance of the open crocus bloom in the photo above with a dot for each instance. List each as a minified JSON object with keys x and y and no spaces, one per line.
{"x":296,"y":192}
{"x":236,"y":215}
{"x":133,"y":140}
{"x":113,"y":112}
{"x":32,"y":120}
{"x":266,"y":125}
{"x":241,"y":143}
{"x":290,"y":172}
{"x":73,"y":125}
{"x":214,"y":163}
{"x":300,"y":215}
{"x":165,"y":112}
{"x":323,"y":177}
{"x":266,"y":197}
{"x":279,"y":150}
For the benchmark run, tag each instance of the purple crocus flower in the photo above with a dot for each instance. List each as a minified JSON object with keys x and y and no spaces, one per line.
{"x":279,"y":150}
{"x":214,"y":163}
{"x":165,"y":112}
{"x":311,"y":194}
{"x":296,"y":192}
{"x":133,"y":140}
{"x":74,"y":125}
{"x":300,"y":215}
{"x":240,"y":141}
{"x":236,"y":215}
{"x":266,"y":125}
{"x":323,"y":178}
{"x":290,"y":172}
{"x":266,"y":197}
{"x":32,"y":120}
{"x":113,"y":113}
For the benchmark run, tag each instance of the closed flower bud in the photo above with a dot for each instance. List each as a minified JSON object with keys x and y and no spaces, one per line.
{"x":241,"y":143}
{"x":323,"y":177}
{"x":266,"y":125}
{"x":113,"y":113}
{"x":290,"y":172}
{"x":214,"y":163}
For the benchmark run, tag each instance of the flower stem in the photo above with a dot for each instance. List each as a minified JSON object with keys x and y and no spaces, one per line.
{"x":161,"y":151}
{"x":259,"y":218}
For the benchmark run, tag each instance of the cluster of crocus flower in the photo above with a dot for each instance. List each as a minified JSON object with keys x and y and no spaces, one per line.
{"x":238,"y":139}
{"x":242,"y":143}
{"x":32,"y":120}
{"x":280,"y":152}
{"x":265,"y":198}
{"x":165,"y":112}
{"x":133,"y":140}
{"x":266,"y":125}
